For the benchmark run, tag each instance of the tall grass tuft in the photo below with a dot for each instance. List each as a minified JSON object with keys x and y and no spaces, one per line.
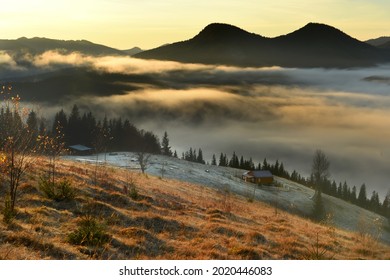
{"x":89,"y":232}
{"x":57,"y":191}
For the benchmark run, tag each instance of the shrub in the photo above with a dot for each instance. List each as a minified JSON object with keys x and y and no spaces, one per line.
{"x":318,"y":212}
{"x":316,"y":251}
{"x":57,"y":191}
{"x":8,"y":213}
{"x":130,"y":189}
{"x":133,"y":193}
{"x":89,"y":232}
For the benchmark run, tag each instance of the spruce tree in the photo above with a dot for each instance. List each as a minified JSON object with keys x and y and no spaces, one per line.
{"x":362,"y":198}
{"x":74,"y":129}
{"x":32,"y":128}
{"x":320,"y":169}
{"x":265,"y":165}
{"x":214,"y":160}
{"x":386,"y":206}
{"x":353,"y":195}
{"x":165,"y":148}
{"x":221,"y":160}
{"x":374,"y":202}
{"x":199,"y":158}
{"x":318,"y":213}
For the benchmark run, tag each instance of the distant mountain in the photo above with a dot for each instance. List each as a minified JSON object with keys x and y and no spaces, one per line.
{"x":133,"y":51}
{"x":385,"y":45}
{"x":314,"y":45}
{"x":37,"y":45}
{"x":381,"y":42}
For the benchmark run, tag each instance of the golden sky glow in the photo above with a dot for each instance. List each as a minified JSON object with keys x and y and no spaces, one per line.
{"x":150,"y":23}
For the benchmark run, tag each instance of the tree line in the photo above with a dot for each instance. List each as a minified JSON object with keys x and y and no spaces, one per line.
{"x":115,"y":134}
{"x":341,"y":190}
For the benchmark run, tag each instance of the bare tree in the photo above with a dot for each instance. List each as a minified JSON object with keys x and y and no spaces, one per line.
{"x":53,"y":146}
{"x":143,"y":160}
{"x":101,"y":140}
{"x":163,"y":169}
{"x":17,"y":153}
{"x":320,"y":170}
{"x":16,"y":149}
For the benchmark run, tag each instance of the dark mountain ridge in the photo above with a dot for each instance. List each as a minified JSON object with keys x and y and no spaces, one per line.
{"x":381,"y":42}
{"x":133,"y":51}
{"x":36,"y":46}
{"x":314,"y":45}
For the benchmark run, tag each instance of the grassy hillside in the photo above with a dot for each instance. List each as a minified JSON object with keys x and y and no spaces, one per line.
{"x":163,"y":219}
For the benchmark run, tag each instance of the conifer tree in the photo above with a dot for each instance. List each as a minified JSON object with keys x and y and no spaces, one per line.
{"x":362,"y":198}
{"x":74,"y":129}
{"x":199,"y":158}
{"x":214,"y":160}
{"x":333,"y":188}
{"x":265,"y":165}
{"x":318,"y":212}
{"x":353,"y":195}
{"x":32,"y":128}
{"x":386,"y":206}
{"x":320,"y":169}
{"x":165,"y":148}
{"x":374,"y":202}
{"x":222,"y":160}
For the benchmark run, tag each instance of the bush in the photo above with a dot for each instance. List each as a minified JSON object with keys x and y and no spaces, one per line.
{"x":8,"y":213}
{"x":318,"y":212}
{"x":90,"y":232}
{"x":57,"y":191}
{"x":133,"y":193}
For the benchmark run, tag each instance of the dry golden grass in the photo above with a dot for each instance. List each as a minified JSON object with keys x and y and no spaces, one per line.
{"x":168,"y":220}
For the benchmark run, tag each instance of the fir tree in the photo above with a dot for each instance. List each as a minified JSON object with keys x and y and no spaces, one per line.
{"x":214,"y":160}
{"x":353,"y":194}
{"x":320,"y":169}
{"x":165,"y":148}
{"x":362,"y":198}
{"x":386,"y":206}
{"x":74,"y":129}
{"x":199,"y":158}
{"x":265,"y":165}
{"x":318,"y":213}
{"x":374,"y":202}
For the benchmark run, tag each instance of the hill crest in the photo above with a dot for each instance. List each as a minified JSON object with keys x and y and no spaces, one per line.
{"x":314,"y":45}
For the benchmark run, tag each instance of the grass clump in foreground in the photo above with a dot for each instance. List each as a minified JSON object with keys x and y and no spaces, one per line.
{"x":57,"y":191}
{"x":89,"y":232}
{"x":8,"y":213}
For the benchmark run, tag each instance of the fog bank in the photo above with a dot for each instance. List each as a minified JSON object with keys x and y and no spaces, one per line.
{"x":276,"y":113}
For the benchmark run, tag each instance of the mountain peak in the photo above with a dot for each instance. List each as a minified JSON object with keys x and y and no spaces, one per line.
{"x":313,"y":29}
{"x":222,"y":31}
{"x":314,"y":45}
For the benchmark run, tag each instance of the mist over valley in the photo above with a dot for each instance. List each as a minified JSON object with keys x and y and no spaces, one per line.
{"x":260,"y":112}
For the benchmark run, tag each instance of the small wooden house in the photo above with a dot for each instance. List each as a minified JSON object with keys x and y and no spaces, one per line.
{"x":258,"y":177}
{"x":80,"y":150}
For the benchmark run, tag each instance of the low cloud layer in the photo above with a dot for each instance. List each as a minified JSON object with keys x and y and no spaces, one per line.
{"x":276,"y":113}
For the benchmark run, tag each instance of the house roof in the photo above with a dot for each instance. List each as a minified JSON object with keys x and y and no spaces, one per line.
{"x":258,"y":174}
{"x":80,"y":148}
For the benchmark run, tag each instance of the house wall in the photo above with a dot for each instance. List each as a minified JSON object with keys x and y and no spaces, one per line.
{"x":267,"y":180}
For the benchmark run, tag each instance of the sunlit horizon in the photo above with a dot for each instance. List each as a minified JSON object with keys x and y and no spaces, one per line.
{"x":148,"y":24}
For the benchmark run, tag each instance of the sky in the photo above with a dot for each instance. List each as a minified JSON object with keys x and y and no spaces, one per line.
{"x":124,"y":24}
